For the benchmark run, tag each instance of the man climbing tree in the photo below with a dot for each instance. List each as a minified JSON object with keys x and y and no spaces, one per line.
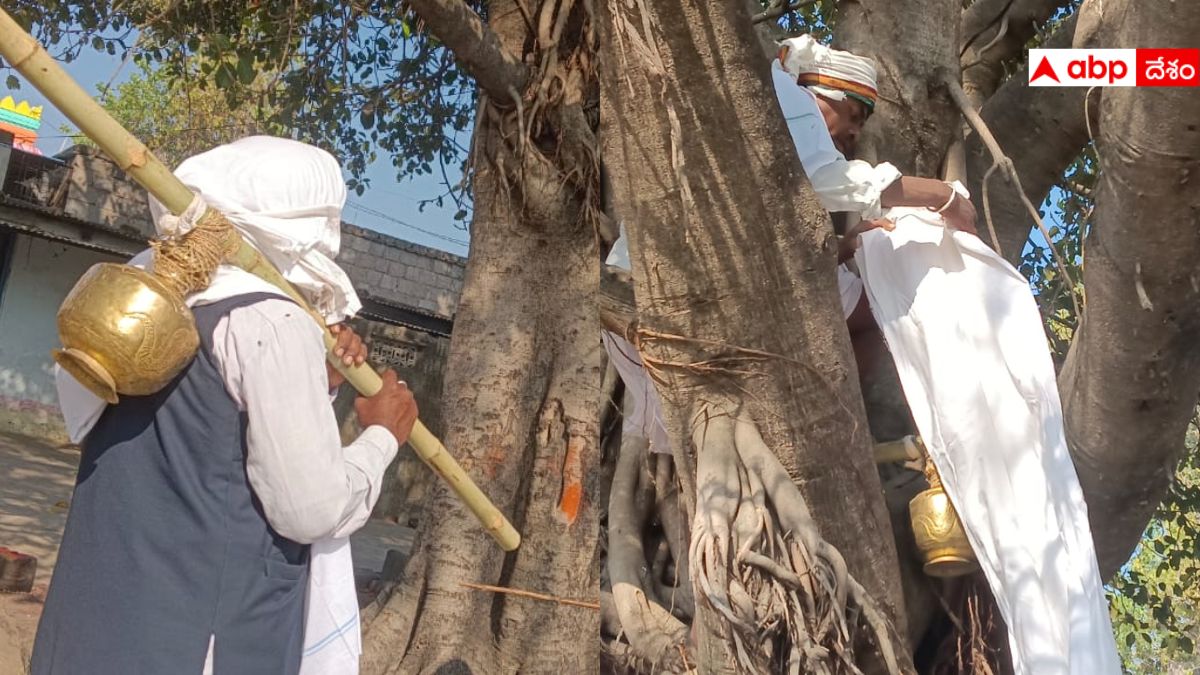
{"x":709,"y":312}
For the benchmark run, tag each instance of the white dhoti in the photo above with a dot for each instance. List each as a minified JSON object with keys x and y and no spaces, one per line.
{"x":970,"y":347}
{"x":332,"y":636}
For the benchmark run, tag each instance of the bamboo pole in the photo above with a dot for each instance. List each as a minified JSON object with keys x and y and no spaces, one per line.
{"x":28,"y":57}
{"x":906,"y":449}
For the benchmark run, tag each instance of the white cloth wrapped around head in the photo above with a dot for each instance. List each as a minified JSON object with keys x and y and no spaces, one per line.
{"x":832,"y":73}
{"x":285,"y":198}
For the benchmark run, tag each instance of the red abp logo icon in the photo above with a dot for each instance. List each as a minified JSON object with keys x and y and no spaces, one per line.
{"x":1044,"y":69}
{"x":1168,"y":67}
{"x":1082,"y":67}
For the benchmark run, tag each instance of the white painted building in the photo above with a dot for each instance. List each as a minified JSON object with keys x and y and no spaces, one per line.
{"x":36,"y":277}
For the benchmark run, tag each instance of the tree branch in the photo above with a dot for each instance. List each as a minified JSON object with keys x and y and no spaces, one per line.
{"x":999,"y":159}
{"x":780,"y":8}
{"x":995,"y":32}
{"x":475,"y":45}
{"x":1130,"y":381}
{"x":1044,"y":130}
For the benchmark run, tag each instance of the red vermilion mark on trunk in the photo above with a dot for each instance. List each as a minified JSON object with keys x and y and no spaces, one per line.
{"x":572,"y":485}
{"x":492,"y":460}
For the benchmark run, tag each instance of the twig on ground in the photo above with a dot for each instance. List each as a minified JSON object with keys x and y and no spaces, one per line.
{"x":532,"y":595}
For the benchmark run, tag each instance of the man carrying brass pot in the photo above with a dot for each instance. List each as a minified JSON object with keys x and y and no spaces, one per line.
{"x":187,"y":548}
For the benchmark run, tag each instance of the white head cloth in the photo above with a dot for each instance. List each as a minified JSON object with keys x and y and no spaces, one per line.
{"x":285,"y":198}
{"x":830,"y":72}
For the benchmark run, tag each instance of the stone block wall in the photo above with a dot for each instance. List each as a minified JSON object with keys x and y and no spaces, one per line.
{"x":402,"y":272}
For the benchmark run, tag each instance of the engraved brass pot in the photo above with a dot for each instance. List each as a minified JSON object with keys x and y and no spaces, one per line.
{"x":124,"y":332}
{"x":941,"y":540}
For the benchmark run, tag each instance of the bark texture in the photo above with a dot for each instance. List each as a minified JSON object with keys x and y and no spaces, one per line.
{"x":733,"y":269}
{"x":522,"y":391}
{"x":912,"y":44}
{"x":1131,"y":379}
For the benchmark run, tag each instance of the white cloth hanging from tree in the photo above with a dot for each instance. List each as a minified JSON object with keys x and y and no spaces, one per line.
{"x":970,"y":347}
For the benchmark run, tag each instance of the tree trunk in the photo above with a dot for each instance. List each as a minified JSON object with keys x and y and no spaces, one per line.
{"x":913,"y":126}
{"x":915,"y":122}
{"x":1131,"y":378}
{"x":522,"y":401}
{"x":912,"y":44}
{"x":736,"y":290}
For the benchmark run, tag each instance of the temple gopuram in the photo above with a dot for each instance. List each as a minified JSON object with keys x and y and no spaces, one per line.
{"x":22,"y":121}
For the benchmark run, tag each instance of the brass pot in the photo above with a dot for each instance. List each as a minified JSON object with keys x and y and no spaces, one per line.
{"x":124,"y":332}
{"x":941,"y":540}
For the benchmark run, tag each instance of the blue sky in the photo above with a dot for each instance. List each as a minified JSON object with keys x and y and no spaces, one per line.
{"x":389,"y":206}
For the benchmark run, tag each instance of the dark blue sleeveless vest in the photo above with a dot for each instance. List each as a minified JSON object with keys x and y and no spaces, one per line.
{"x":166,"y":544}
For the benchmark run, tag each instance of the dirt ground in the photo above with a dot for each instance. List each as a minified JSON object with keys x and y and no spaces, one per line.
{"x":35,"y":492}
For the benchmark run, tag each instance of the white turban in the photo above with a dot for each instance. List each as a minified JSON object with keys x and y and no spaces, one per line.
{"x":285,"y":198}
{"x":830,"y":72}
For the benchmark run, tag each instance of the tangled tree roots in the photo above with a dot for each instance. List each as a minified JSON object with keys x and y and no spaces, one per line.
{"x":785,"y":599}
{"x":654,"y":635}
{"x":780,"y":597}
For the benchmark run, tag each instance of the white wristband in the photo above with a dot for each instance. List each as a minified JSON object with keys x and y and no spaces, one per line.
{"x":953,"y":194}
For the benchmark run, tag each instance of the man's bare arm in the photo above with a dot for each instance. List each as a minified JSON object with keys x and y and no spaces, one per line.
{"x":932,"y":194}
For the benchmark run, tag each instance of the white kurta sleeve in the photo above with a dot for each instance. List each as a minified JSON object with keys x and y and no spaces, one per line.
{"x":853,"y":185}
{"x":850,"y":287}
{"x":81,"y":409}
{"x":310,"y":487}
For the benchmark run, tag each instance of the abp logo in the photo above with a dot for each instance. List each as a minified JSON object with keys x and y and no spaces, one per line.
{"x":1082,"y":67}
{"x":1114,"y":67}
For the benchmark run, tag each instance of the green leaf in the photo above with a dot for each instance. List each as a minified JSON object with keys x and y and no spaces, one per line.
{"x":1161,"y":614}
{"x":245,"y":69}
{"x":224,"y":76}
